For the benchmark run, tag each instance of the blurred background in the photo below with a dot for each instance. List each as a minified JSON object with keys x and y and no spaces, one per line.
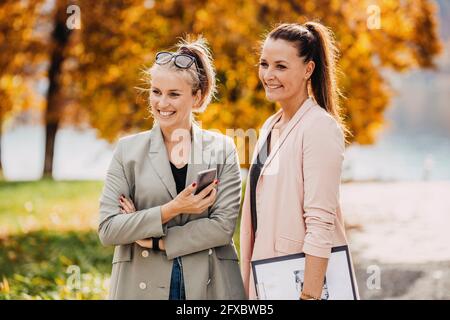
{"x":69,"y":73}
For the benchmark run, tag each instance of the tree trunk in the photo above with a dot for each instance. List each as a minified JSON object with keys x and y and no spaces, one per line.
{"x":50,"y":137}
{"x":55,"y":99}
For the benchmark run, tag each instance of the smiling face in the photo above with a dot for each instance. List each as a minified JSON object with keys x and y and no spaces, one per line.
{"x":171,"y":98}
{"x":283,"y":73}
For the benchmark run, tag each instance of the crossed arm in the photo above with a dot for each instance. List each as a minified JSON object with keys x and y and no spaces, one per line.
{"x":186,"y":201}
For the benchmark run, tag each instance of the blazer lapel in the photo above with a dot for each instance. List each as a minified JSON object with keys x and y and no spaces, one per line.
{"x":199,"y":157}
{"x":160,"y":160}
{"x":298,"y":115}
{"x":263,"y":135}
{"x":199,"y":160}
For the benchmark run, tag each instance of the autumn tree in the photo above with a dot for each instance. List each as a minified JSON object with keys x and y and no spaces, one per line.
{"x":91,"y":69}
{"x":16,"y":59}
{"x":96,"y":69}
{"x":371,"y":39}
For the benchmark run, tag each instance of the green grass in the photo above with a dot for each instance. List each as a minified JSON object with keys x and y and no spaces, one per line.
{"x":48,"y":205}
{"x":54,"y":265}
{"x":49,"y":247}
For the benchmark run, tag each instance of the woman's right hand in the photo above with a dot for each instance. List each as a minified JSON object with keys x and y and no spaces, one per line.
{"x":187,"y":202}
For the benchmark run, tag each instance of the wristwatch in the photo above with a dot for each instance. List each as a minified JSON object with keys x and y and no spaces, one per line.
{"x":155,"y":244}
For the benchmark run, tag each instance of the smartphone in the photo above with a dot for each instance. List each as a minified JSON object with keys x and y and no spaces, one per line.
{"x":205,"y":178}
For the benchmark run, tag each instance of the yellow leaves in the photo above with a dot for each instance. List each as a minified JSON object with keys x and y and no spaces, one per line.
{"x":202,"y":16}
{"x":17,"y":24}
{"x":363,"y":43}
{"x":310,"y":6}
{"x":78,"y":49}
{"x":252,"y":82}
{"x":65,"y":261}
{"x":12,"y":256}
{"x":113,"y":73}
{"x":118,"y":38}
{"x":133,"y":14}
{"x":231,"y":79}
{"x":4,"y":286}
{"x":336,"y":4}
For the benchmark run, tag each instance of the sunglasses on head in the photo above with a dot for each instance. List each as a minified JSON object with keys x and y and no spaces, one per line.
{"x":181,"y":60}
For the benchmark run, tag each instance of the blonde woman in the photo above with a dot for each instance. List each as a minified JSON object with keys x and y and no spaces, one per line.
{"x":170,"y":242}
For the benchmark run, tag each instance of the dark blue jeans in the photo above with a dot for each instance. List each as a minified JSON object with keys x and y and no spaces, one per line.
{"x":177,"y":281}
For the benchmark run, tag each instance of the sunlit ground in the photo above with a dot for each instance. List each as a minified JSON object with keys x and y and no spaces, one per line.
{"x":49,"y":247}
{"x":402,"y":235}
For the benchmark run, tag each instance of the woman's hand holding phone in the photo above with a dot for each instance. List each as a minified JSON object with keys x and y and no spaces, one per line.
{"x":188,"y":202}
{"x":185,"y":202}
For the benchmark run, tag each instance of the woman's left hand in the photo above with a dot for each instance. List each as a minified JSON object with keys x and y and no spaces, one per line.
{"x":127,"y":206}
{"x":146,"y":243}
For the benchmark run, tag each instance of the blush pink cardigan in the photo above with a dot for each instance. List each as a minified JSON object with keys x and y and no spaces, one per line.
{"x":297,"y":196}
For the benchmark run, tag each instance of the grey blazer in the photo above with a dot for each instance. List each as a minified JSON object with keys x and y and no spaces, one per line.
{"x":140,"y":170}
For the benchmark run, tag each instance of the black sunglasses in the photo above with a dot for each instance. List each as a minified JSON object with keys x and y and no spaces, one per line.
{"x":181,"y":60}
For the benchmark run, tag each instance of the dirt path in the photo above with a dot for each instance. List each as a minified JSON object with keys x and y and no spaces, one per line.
{"x":404,"y":230}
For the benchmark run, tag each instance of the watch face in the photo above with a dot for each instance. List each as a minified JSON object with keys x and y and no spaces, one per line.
{"x":155,"y":243}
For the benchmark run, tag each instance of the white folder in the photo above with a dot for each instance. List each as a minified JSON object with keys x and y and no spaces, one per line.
{"x":281,"y":278}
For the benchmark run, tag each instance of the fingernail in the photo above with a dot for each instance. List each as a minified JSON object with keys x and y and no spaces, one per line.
{"x":217,"y":181}
{"x":194,"y":184}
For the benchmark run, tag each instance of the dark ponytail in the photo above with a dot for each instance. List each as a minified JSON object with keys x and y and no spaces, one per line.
{"x":315,"y":42}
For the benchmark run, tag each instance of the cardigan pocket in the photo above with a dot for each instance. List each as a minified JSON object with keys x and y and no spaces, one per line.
{"x":287,"y":245}
{"x":122,"y":253}
{"x":226,"y":252}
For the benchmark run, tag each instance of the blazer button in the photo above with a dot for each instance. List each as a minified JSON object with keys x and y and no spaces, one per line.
{"x":210,"y":252}
{"x":142,"y":285}
{"x":145,"y":253}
